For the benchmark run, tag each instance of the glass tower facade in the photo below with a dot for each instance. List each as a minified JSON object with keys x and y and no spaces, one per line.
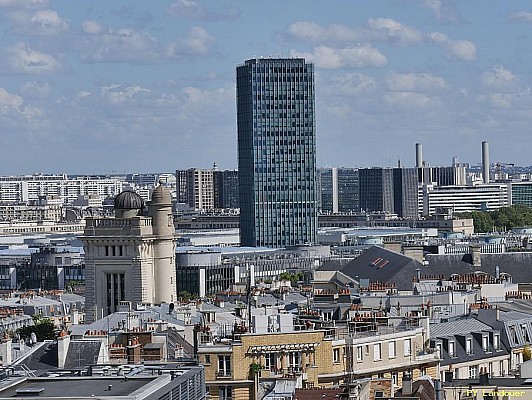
{"x":276,"y":152}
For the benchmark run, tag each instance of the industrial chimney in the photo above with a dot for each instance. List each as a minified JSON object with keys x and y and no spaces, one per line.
{"x":485,"y":162}
{"x":419,"y":155}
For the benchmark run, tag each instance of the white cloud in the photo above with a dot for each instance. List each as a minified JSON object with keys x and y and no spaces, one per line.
{"x":92,"y":27}
{"x":376,"y":29}
{"x":41,"y":22}
{"x":197,"y":42}
{"x":461,"y":50}
{"x":192,"y":10}
{"x":498,"y":77}
{"x":9,"y":102}
{"x":458,"y":50}
{"x":23,"y":59}
{"x":409,"y":99}
{"x":35,"y":89}
{"x":22,"y":4}
{"x":118,"y":94}
{"x":392,"y":31}
{"x":12,"y":107}
{"x":352,"y":83}
{"x":104,"y":44}
{"x":501,"y":100}
{"x":354,"y":57}
{"x":520,"y":16}
{"x":312,"y":32}
{"x":444,"y":10}
{"x":412,"y":82}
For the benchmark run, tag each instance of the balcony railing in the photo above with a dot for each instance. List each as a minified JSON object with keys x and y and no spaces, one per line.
{"x":223,"y":374}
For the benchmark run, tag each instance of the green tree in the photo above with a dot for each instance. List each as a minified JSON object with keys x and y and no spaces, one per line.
{"x":503,"y":219}
{"x":43,"y":328}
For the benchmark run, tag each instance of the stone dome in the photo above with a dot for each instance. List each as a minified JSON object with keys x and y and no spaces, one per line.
{"x":161,"y":195}
{"x":128,"y":200}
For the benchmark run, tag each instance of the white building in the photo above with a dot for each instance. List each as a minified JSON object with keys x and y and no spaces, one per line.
{"x":130,"y":257}
{"x":463,"y":198}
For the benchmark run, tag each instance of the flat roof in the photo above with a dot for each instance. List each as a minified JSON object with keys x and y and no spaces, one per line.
{"x":75,"y":387}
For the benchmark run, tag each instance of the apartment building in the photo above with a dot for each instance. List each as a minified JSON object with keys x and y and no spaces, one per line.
{"x":467,"y":347}
{"x":237,"y":364}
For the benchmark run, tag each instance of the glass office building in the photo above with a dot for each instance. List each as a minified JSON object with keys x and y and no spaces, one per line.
{"x":276,"y":152}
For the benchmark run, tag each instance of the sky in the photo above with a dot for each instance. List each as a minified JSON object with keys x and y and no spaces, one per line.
{"x":103,"y":87}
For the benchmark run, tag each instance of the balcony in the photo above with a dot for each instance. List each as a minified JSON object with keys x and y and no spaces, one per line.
{"x":427,"y":355}
{"x":223,"y":374}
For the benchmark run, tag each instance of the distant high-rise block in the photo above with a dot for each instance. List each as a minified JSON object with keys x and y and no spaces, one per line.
{"x":393,"y":190}
{"x":195,"y":187}
{"x":226,"y":189}
{"x":338,"y":190}
{"x":276,"y":152}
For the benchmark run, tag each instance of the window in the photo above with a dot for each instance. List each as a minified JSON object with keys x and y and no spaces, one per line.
{"x":473,"y":371}
{"x":226,"y":393}
{"x":224,"y":365}
{"x":336,"y":355}
{"x":408,"y":347}
{"x":392,"y":353}
{"x":451,"y":348}
{"x":496,"y":341}
{"x":367,"y":349}
{"x":501,"y":368}
{"x":269,"y":361}
{"x":485,"y":343}
{"x":469,"y":346}
{"x":377,"y":352}
{"x":207,"y":358}
{"x":359,"y":353}
{"x":294,"y":360}
{"x":116,"y":288}
{"x":524,"y":331}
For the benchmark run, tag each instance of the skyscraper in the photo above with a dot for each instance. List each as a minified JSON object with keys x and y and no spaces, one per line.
{"x":276,"y":152}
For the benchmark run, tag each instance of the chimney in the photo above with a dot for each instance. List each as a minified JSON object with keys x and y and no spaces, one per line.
{"x":474,"y":251}
{"x":419,"y":155}
{"x":63,"y":342}
{"x":407,"y":384}
{"x":485,"y":162}
{"x":438,"y":391}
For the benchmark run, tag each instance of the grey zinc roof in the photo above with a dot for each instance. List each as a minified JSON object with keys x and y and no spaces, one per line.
{"x":382,"y":265}
{"x":508,"y":316}
{"x":518,"y":265}
{"x":459,"y":327}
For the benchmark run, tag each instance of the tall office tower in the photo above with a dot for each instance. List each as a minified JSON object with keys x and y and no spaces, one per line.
{"x":195,"y":187}
{"x":226,"y":189}
{"x":276,"y":152}
{"x":338,"y":190}
{"x":393,"y":190}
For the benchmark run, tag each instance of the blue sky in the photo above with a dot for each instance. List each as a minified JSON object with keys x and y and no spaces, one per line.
{"x":149,"y":86}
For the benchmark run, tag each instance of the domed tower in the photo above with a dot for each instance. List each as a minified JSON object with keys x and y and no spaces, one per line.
{"x":128,"y":204}
{"x":160,"y":210}
{"x":119,"y":264}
